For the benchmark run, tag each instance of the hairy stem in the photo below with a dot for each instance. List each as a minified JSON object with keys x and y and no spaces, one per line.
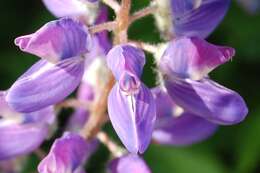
{"x":122,"y":22}
{"x":142,"y":13}
{"x":109,"y":26}
{"x":75,"y":103}
{"x":115,"y":149}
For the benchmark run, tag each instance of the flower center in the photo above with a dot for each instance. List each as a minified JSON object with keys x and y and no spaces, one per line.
{"x":129,"y":83}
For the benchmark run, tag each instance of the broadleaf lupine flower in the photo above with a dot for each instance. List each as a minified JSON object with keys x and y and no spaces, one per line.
{"x":129,"y":163}
{"x":86,"y":10}
{"x":193,"y":18}
{"x":175,"y":126}
{"x":57,"y":40}
{"x":22,"y":133}
{"x":185,"y":65}
{"x":131,"y":106}
{"x":67,"y":154}
{"x":70,"y":56}
{"x":62,"y":45}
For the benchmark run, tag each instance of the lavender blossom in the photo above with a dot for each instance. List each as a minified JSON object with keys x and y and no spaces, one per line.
{"x":189,"y":17}
{"x":62,"y":45}
{"x":188,"y":85}
{"x":131,"y":106}
{"x":22,"y":133}
{"x":175,"y":126}
{"x":130,"y":163}
{"x":66,"y":155}
{"x":57,"y":40}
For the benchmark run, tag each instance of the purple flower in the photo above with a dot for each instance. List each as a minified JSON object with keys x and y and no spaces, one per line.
{"x":175,"y":126}
{"x":57,"y":40}
{"x":22,"y":133}
{"x":193,"y":57}
{"x":63,"y":45}
{"x":190,"y":17}
{"x":130,"y":163}
{"x":83,"y":9}
{"x":131,"y":106}
{"x":185,"y":65}
{"x":67,"y":154}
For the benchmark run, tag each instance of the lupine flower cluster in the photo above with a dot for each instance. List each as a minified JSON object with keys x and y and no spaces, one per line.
{"x":76,"y":52}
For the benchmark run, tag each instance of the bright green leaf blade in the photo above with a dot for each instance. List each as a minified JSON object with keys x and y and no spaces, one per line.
{"x":183,"y":160}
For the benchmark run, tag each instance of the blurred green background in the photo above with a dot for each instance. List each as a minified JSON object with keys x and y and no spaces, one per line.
{"x":233,"y":149}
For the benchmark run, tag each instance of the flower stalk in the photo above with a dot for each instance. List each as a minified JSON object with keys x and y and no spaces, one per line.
{"x":109,"y":26}
{"x":115,"y":149}
{"x":143,"y":13}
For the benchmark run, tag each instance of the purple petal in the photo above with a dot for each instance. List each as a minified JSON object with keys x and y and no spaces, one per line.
{"x":22,"y":134}
{"x":197,"y":17}
{"x":57,"y":40}
{"x":129,"y":83}
{"x":80,"y":116}
{"x":103,"y":37}
{"x":77,"y":120}
{"x":132,"y":117}
{"x":86,"y":9}
{"x":184,"y":130}
{"x":128,"y":164}
{"x":18,"y":140}
{"x":193,"y":57}
{"x":175,"y":126}
{"x":126,"y":58}
{"x":208,"y":99}
{"x":85,"y":92}
{"x":66,"y":155}
{"x":5,"y":110}
{"x":164,"y":104}
{"x":97,"y":51}
{"x":45,"y":84}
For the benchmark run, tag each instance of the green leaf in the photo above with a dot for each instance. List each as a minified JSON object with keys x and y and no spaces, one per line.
{"x":163,"y":159}
{"x":31,"y":164}
{"x":248,"y":144}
